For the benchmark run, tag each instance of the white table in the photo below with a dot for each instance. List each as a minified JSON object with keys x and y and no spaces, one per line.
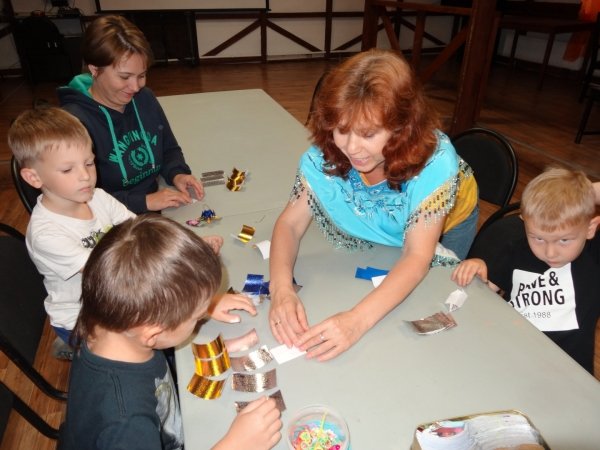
{"x":243,"y":129}
{"x":392,"y":380}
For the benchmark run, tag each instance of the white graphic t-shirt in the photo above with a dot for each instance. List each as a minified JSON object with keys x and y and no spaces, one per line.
{"x":547,"y":300}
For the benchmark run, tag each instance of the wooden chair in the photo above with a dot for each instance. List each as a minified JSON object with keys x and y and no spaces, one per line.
{"x":493,"y":160}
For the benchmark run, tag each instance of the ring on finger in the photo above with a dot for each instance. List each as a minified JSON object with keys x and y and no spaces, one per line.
{"x":321,"y":337}
{"x":277,"y":322}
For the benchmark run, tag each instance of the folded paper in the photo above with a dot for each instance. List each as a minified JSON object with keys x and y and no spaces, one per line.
{"x":205,"y":387}
{"x":252,"y":361}
{"x":254,"y":382}
{"x":242,"y":343}
{"x":277,"y":396}
{"x":236,"y":180}
{"x":246,"y":234}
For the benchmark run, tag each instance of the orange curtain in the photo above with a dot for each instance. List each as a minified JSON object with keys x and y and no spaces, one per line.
{"x":578,"y":43}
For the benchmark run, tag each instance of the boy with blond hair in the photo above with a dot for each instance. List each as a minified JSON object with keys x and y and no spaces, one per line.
{"x":145,"y":287}
{"x":54,"y":151}
{"x":552,"y":274}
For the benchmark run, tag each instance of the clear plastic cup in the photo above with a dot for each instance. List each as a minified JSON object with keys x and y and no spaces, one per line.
{"x":318,"y":427}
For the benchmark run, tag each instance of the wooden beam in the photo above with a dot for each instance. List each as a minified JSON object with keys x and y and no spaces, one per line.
{"x":475,"y":67}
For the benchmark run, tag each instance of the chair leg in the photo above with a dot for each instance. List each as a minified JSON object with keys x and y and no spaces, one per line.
{"x":34,"y":419}
{"x":584,"y":118}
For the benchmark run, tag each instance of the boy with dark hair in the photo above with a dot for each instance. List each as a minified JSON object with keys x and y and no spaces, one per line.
{"x":145,"y":287}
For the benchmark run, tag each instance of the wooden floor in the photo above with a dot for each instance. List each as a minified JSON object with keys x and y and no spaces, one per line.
{"x":540,"y":124}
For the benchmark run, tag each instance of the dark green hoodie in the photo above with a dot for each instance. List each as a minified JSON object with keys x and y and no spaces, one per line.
{"x":132,"y":148}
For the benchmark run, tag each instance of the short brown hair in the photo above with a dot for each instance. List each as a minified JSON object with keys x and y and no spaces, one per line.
{"x":148,"y":270}
{"x":36,"y":131}
{"x":558,"y":198}
{"x":108,"y":38}
{"x":380,"y":87}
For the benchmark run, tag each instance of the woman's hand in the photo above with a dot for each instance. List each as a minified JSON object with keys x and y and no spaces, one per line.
{"x":220,"y":309}
{"x":333,"y":336}
{"x":166,"y":198}
{"x":287,"y":317}
{"x":188,"y":184}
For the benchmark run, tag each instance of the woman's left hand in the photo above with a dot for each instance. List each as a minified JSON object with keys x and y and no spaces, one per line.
{"x":188,"y":184}
{"x":332,"y":337}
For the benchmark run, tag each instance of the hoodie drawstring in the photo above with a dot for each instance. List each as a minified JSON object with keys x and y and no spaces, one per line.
{"x":118,"y":154}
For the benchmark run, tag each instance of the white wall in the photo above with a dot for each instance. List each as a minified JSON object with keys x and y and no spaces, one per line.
{"x":213,"y":32}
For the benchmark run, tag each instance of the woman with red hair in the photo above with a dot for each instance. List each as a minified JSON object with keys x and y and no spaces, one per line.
{"x":379,"y":171}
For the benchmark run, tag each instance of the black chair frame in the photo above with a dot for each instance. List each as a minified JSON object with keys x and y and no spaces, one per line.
{"x":27,"y":193}
{"x":491,"y":238}
{"x":590,"y":91}
{"x":491,"y":194}
{"x":15,"y":355}
{"x":29,"y":414}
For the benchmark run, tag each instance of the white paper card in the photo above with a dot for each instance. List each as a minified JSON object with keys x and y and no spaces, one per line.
{"x":283,"y":353}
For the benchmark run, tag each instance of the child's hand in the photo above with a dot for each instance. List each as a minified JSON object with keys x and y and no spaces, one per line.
{"x":256,"y":427}
{"x":221,"y":307}
{"x":216,"y":242}
{"x":467,"y":269}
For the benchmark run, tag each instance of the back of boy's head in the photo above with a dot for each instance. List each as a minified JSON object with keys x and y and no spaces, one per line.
{"x":558,"y":198}
{"x":38,"y":130}
{"x":148,"y":270}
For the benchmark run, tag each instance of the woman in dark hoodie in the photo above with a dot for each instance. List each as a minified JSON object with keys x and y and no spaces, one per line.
{"x":133,"y":141}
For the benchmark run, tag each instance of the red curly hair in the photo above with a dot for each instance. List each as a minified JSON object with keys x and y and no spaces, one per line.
{"x":380,"y":88}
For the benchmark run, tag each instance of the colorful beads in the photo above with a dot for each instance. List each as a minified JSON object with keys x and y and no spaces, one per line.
{"x":317,"y":438}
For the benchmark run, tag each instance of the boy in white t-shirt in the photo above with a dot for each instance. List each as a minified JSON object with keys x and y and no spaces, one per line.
{"x":54,"y":151}
{"x":551,"y":274}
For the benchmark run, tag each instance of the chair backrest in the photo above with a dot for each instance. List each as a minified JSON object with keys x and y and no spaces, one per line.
{"x":27,"y":193}
{"x":503,"y":226}
{"x":493,"y":160}
{"x":22,"y":314}
{"x":314,"y":96}
{"x":9,"y":401}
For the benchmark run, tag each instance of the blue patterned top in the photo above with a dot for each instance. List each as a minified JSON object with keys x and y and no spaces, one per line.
{"x":353,"y":215}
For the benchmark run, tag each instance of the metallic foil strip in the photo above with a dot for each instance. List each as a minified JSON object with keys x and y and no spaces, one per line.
{"x":212,"y":174}
{"x":213,"y":367}
{"x":252,"y":361}
{"x":242,"y":343}
{"x":275,"y":396}
{"x":209,"y":350}
{"x":205,"y":388}
{"x":256,"y":285}
{"x":213,"y":182}
{"x":246,"y":234}
{"x":254,"y":382}
{"x":235,"y":181}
